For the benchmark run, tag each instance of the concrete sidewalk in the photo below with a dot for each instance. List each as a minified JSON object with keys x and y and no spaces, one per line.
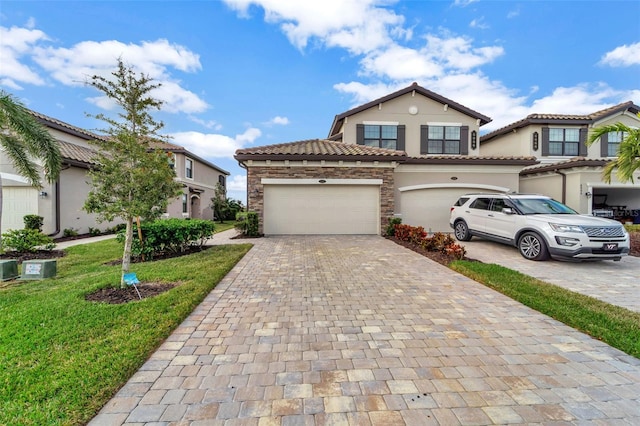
{"x":357,"y":330}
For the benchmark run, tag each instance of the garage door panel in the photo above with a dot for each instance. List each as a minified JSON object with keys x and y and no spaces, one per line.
{"x":332,"y":209}
{"x":430,"y":207}
{"x":17,"y":202}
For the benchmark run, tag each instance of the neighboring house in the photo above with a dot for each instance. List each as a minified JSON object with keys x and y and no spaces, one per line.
{"x":60,"y":203}
{"x":409,"y":154}
{"x":199,"y":179}
{"x":568,"y":170}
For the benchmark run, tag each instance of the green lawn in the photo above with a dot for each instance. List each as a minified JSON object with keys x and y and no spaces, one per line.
{"x":62,"y":358}
{"x":614,"y":325}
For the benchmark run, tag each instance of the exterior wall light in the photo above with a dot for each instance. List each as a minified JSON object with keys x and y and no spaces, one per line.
{"x":474,"y":139}
{"x":43,"y":194}
{"x":535,"y":141}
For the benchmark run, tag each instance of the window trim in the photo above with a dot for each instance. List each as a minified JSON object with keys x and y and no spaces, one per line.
{"x":463,"y":142}
{"x":188,"y":160}
{"x":582,"y":138}
{"x":400,"y":133}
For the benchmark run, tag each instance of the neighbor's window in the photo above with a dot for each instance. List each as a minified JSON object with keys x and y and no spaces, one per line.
{"x":564,"y":141}
{"x":443,"y":140}
{"x":381,"y":136}
{"x":185,"y":206}
{"x":222,"y":180}
{"x":614,"y":139}
{"x":188,"y":168}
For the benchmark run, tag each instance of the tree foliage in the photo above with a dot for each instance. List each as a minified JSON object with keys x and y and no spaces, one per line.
{"x":224,"y":208}
{"x":131,"y":179}
{"x":628,"y":160}
{"x":24,"y":139}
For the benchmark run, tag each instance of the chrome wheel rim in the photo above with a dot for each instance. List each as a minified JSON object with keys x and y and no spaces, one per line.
{"x":530,"y":246}
{"x":461,"y":231}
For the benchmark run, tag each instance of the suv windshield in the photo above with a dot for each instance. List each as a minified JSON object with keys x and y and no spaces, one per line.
{"x":541,"y":206}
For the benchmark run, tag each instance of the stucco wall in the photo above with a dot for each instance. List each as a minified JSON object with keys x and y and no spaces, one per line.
{"x":255,"y":174}
{"x":397,"y":110}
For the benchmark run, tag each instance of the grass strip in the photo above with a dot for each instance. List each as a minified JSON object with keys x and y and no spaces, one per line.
{"x":614,"y":325}
{"x":62,"y":358}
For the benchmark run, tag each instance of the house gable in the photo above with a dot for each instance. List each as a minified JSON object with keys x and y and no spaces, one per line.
{"x":415,"y":120}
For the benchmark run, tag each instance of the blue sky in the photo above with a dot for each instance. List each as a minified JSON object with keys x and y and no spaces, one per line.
{"x":243,"y":73}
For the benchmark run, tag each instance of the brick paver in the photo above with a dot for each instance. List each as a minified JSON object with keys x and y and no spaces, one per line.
{"x":352,"y":330}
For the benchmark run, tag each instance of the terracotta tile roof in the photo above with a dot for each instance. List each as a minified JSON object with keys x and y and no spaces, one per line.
{"x":567,"y":164}
{"x":464,"y":159}
{"x":317,"y":149}
{"x":77,"y":153}
{"x":561,"y":118}
{"x":66,"y":127}
{"x":337,"y":121}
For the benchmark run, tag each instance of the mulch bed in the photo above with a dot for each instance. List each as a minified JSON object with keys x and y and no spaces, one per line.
{"x":635,"y":244}
{"x":128,"y":294}
{"x":436,"y":256}
{"x":36,"y":255}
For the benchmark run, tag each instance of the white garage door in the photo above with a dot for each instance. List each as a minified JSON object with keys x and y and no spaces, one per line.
{"x":16,"y":203}
{"x":430,"y":207}
{"x":321,"y":209}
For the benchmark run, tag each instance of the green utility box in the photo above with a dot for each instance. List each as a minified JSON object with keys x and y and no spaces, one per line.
{"x":38,"y":269}
{"x":8,"y":269}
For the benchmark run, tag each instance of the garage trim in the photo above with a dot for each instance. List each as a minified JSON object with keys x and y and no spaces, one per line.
{"x":454,"y":185}
{"x":320,"y":181}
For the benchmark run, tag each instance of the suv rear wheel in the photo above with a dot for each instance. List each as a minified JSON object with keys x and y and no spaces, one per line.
{"x":461,"y":231}
{"x":533,"y":247}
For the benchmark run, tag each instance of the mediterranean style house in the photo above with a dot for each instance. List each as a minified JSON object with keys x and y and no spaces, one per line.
{"x":409,"y":154}
{"x":569,"y":171}
{"x":60,"y":203}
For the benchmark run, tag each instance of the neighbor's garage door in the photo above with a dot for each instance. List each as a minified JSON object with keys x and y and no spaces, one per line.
{"x":321,"y":209}
{"x":16,"y":203}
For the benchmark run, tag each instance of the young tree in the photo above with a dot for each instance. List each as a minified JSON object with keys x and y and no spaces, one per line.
{"x":131,"y":179}
{"x":628,"y":160}
{"x":22,"y":138}
{"x":219,"y":203}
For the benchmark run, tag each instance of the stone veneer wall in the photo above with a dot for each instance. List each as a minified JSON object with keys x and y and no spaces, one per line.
{"x":256,"y":189}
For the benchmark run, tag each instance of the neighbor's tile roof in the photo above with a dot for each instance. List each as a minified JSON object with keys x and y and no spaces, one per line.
{"x":475,"y":160}
{"x":561,"y":118}
{"x":317,"y":149}
{"x":567,"y":164}
{"x":65,"y":127}
{"x":77,"y":153}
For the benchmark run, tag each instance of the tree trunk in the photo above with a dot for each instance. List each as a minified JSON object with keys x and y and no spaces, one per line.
{"x":126,"y":255}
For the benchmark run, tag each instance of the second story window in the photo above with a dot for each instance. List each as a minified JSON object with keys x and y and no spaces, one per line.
{"x":388,"y":136}
{"x":564,"y":141}
{"x":188,"y":169}
{"x":443,"y":139}
{"x":568,"y":142}
{"x":222,"y":180}
{"x":613,"y":143}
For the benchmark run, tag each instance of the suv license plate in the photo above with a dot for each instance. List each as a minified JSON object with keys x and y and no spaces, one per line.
{"x":610,"y":247}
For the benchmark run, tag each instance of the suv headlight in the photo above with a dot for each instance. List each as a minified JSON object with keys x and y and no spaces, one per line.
{"x":559,"y":227}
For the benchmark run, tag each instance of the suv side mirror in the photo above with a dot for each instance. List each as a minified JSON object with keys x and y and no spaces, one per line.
{"x":507,"y":210}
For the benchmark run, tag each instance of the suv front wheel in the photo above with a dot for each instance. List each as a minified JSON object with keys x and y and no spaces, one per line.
{"x":533,"y":247}
{"x":461,"y":231}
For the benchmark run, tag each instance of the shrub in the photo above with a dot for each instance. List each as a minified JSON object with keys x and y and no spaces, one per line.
{"x":69,"y":232}
{"x":391,"y":226}
{"x":33,"y":221}
{"x":26,"y":240}
{"x":94,"y":232}
{"x":438,"y":242}
{"x":169,"y":236}
{"x":248,"y":223}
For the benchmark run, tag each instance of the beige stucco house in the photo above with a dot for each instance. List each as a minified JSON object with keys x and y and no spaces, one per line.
{"x":570,"y":171}
{"x":60,"y":203}
{"x":409,"y":154}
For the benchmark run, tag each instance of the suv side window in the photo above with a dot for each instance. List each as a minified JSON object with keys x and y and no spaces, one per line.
{"x":461,"y":201}
{"x":481,"y":204}
{"x":498,"y":204}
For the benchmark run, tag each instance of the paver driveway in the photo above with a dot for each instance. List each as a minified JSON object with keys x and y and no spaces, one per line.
{"x":358,"y":330}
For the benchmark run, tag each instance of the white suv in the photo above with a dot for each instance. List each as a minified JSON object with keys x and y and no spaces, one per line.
{"x":539,"y":226}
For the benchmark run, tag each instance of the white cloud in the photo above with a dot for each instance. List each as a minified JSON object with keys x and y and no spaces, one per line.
{"x":358,"y":26}
{"x":14,"y":44}
{"x":622,"y":56}
{"x":479,"y":24}
{"x":237,"y":183}
{"x":211,"y":145}
{"x":463,"y":3}
{"x":209,"y":124}
{"x":277,"y":120}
